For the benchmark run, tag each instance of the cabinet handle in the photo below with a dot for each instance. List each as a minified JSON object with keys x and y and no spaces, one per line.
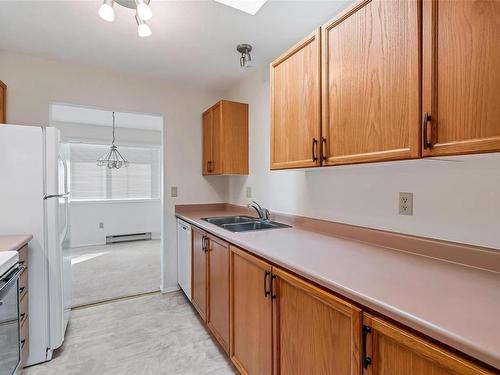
{"x":367,"y":361}
{"x":314,"y":149}
{"x":273,"y":295}
{"x":266,"y":275}
{"x":203,"y":244}
{"x":426,"y":119}
{"x":323,"y":148}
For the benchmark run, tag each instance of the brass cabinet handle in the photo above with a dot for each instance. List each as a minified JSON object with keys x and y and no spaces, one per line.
{"x":314,"y":148}
{"x":426,"y":119}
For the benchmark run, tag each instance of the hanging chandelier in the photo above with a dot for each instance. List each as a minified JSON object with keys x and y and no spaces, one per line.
{"x":112,"y":159}
{"x":143,"y":13}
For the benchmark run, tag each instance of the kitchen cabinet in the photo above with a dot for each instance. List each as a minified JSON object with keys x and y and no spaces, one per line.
{"x":296,"y":105}
{"x":3,"y":103}
{"x":371,"y":83}
{"x":284,"y":325}
{"x":388,"y":349}
{"x":461,"y":77}
{"x":251,"y":314}
{"x":199,"y":291}
{"x":218,"y":289}
{"x":314,"y":331}
{"x":225,"y":139}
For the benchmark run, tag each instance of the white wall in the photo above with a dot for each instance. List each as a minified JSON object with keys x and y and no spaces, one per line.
{"x":34,"y":82}
{"x":455,"y":199}
{"x":121,"y":217}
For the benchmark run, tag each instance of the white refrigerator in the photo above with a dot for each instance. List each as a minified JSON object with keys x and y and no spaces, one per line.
{"x":34,"y":196}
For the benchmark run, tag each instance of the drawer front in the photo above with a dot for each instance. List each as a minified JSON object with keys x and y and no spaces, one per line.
{"x":23,"y":284}
{"x":25,"y":344}
{"x":23,"y":255}
{"x":23,"y":308}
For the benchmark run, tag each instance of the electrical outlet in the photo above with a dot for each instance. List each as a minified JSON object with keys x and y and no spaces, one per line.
{"x":173,"y":191}
{"x":406,"y":204}
{"x":249,"y":192}
{"x":101,"y":225}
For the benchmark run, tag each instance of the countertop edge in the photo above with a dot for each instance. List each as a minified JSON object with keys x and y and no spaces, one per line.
{"x":426,"y":328}
{"x":14,"y":242}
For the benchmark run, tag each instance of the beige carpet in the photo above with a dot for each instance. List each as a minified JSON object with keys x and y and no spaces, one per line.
{"x":150,"y":335}
{"x":105,"y":272}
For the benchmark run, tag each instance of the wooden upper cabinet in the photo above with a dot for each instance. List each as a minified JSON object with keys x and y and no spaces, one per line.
{"x":296,"y":105}
{"x":461,"y":76}
{"x":199,"y":273}
{"x":218,"y":290}
{"x":392,"y":350}
{"x":225,"y":139}
{"x":315,"y":332}
{"x":3,"y":103}
{"x":251,"y":314}
{"x":207,"y":142}
{"x":371,"y":83}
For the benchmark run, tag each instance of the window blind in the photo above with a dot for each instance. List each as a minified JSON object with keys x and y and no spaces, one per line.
{"x":140,"y":180}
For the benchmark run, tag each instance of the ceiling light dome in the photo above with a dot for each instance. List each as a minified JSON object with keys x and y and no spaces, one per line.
{"x":143,"y":28}
{"x":143,"y":10}
{"x":106,"y":11}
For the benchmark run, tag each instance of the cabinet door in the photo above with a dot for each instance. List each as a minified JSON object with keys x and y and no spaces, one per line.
{"x":371,"y":83}
{"x":218,"y":290}
{"x":199,"y":273}
{"x":3,"y":102}
{"x":315,"y":332}
{"x":461,"y":76}
{"x":296,"y":106}
{"x":207,"y":141}
{"x":393,"y":350}
{"x":251,"y":314}
{"x":216,"y":166}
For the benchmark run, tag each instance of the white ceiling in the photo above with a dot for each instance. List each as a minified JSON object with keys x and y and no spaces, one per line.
{"x":193,"y":42}
{"x":62,"y":113}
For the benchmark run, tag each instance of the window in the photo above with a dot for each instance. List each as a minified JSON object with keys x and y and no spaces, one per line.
{"x":140,"y":180}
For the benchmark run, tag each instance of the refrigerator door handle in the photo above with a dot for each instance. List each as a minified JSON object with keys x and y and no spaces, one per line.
{"x":65,"y":195}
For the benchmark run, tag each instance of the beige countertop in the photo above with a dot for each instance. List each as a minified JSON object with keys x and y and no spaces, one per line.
{"x":14,"y":242}
{"x":455,"y":304}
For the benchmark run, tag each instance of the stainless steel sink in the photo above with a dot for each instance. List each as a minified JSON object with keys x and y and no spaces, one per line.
{"x":243,"y":223}
{"x":221,"y":220}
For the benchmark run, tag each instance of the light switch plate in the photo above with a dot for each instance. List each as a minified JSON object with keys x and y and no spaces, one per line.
{"x":249,"y":192}
{"x":173,"y":191}
{"x":406,"y":204}
{"x":101,"y":225}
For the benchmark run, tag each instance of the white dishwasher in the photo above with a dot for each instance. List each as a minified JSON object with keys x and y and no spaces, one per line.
{"x":184,"y":256}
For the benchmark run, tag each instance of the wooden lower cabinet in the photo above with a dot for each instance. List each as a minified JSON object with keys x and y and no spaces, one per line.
{"x":199,"y":273}
{"x":314,"y":331}
{"x":391,"y":351}
{"x":272,"y":322}
{"x":251,"y":314}
{"x":218,"y":290}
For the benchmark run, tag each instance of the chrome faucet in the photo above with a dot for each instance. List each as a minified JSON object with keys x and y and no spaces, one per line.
{"x":262,"y":212}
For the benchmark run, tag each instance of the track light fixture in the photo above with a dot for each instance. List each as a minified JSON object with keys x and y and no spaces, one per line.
{"x":245,"y":58}
{"x":142,"y":13}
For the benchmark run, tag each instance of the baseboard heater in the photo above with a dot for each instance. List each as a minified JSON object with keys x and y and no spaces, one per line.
{"x":128,"y":237}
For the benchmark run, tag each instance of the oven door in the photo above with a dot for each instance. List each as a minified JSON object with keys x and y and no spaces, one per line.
{"x":10,"y":348}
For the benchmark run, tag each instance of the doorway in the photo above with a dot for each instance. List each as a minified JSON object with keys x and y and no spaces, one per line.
{"x":115,"y":213}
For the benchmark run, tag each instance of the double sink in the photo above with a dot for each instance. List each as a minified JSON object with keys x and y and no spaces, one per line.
{"x":243,"y":223}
